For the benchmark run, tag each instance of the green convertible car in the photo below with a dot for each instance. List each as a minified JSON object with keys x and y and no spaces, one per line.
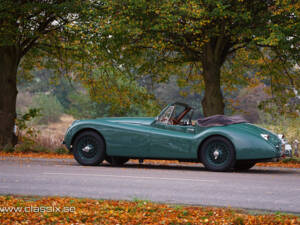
{"x":220,"y":142}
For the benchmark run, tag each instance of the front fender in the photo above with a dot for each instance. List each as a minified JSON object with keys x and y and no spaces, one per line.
{"x":246,"y":144}
{"x":74,"y":129}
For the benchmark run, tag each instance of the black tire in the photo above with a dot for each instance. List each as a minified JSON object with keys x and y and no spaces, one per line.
{"x":116,"y":160}
{"x":95,"y":152}
{"x":242,"y":165}
{"x":217,"y":154}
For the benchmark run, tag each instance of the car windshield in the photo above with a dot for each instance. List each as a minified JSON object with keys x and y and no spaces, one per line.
{"x":165,"y":116}
{"x":171,"y":113}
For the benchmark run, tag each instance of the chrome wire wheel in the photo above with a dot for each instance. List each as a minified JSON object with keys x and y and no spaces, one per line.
{"x":89,"y":148}
{"x":217,"y":154}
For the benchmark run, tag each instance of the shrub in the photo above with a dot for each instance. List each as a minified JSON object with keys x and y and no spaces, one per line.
{"x":30,"y":145}
{"x":62,"y":150}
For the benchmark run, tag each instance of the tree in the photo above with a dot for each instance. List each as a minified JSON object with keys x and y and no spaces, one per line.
{"x":204,"y":32}
{"x":122,"y":93}
{"x":31,"y":29}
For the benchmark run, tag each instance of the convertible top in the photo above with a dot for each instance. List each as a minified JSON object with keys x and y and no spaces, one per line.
{"x":220,"y":120}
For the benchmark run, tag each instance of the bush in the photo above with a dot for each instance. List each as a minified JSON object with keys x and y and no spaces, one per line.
{"x":38,"y":144}
{"x":62,"y":150}
{"x":28,"y":144}
{"x":51,"y":109}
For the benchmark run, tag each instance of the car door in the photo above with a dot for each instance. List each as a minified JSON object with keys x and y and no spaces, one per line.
{"x":131,"y":140}
{"x":171,"y":141}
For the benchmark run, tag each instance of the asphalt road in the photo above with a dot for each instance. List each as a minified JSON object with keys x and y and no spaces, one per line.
{"x":272,"y":189}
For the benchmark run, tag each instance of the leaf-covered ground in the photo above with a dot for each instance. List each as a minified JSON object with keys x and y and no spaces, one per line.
{"x":87,"y":211}
{"x":286,"y":164}
{"x":36,"y":155}
{"x":280,"y":164}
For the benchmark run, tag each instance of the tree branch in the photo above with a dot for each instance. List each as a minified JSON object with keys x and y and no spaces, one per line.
{"x":30,"y":42}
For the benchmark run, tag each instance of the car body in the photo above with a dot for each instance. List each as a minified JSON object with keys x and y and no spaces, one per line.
{"x":172,"y":135}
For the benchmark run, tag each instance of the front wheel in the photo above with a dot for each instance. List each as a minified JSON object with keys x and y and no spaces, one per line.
{"x":89,"y":148}
{"x":217,"y":154}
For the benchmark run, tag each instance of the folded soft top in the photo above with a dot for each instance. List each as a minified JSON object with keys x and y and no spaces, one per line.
{"x":220,"y":120}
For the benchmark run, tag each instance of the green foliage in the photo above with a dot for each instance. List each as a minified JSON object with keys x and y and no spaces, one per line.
{"x":72,"y":96}
{"x":23,"y":120}
{"x":62,"y":151}
{"x":51,"y":109}
{"x":260,"y":66}
{"x":194,"y":38}
{"x":79,"y":100}
{"x":291,"y":160}
{"x":289,"y":126}
{"x":131,"y":41}
{"x":8,"y":148}
{"x":49,"y":34}
{"x":26,"y":133}
{"x":28,"y":144}
{"x":122,"y":93}
{"x":238,"y":221}
{"x":81,"y":106}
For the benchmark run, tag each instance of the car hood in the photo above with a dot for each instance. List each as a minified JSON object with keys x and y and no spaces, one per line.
{"x":128,"y":120}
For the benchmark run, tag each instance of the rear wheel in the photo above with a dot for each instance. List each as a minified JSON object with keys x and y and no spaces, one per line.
{"x":89,"y":148}
{"x":217,"y":154}
{"x":243,"y":165}
{"x":116,"y":160}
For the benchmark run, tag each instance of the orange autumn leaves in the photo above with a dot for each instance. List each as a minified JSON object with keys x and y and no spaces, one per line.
{"x":35,"y":155}
{"x":87,"y":211}
{"x":280,"y":164}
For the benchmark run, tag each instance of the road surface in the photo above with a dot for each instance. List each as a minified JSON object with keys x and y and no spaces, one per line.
{"x":274,"y":189}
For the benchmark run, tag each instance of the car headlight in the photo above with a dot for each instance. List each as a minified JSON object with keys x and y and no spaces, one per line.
{"x":281,"y":137}
{"x":265,"y":136}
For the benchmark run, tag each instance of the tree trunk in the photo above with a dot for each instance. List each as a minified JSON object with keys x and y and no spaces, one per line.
{"x":212,"y":103}
{"x":9,"y":61}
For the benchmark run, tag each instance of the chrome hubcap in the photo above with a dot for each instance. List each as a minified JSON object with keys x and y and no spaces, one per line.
{"x":87,"y":148}
{"x":216,"y":154}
